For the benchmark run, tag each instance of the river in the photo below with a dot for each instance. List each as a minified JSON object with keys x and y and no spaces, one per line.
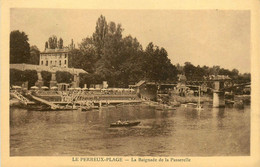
{"x":180,"y":132}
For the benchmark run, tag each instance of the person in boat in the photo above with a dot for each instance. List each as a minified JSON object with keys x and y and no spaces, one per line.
{"x":119,"y":122}
{"x":126,"y":122}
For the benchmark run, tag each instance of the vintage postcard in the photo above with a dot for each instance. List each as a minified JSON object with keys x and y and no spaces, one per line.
{"x":130,"y":83}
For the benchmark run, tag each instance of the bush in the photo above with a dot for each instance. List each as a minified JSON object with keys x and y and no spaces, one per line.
{"x":17,"y":77}
{"x":31,"y":76}
{"x":64,"y":77}
{"x":89,"y":79}
{"x":46,"y":77}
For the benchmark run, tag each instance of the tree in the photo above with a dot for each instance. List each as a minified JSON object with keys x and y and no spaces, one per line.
{"x":100,"y":34}
{"x":19,"y":47}
{"x":120,"y":61}
{"x":60,"y":46}
{"x":17,"y":77}
{"x":46,"y":45}
{"x":189,"y":70}
{"x":34,"y":55}
{"x":64,"y":77}
{"x":83,"y":60}
{"x":157,"y":65}
{"x":71,"y":45}
{"x":89,"y":55}
{"x":46,"y":77}
{"x":53,"y":42}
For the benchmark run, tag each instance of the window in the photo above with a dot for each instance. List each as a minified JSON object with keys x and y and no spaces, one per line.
{"x":65,"y":56}
{"x":60,"y":62}
{"x":46,"y":62}
{"x":42,"y":63}
{"x":51,"y":62}
{"x":65,"y":62}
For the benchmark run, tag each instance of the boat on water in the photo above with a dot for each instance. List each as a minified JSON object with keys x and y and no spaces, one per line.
{"x":86,"y":108}
{"x":124,"y":124}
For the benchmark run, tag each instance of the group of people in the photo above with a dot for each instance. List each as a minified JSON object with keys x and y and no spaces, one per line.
{"x":122,"y":122}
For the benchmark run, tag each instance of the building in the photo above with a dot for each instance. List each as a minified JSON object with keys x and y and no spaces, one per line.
{"x":54,"y":57}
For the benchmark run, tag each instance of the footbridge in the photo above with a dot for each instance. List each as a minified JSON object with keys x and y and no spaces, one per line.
{"x":21,"y":98}
{"x":52,"y":105}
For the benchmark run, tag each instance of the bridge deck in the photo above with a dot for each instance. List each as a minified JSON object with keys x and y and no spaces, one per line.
{"x":45,"y":102}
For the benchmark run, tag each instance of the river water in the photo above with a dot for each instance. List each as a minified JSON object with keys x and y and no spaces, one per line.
{"x":180,"y":132}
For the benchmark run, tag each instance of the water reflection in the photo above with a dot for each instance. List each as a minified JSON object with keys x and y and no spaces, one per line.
{"x":184,"y":131}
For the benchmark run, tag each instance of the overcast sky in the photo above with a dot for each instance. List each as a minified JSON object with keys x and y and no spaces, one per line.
{"x":202,"y":37}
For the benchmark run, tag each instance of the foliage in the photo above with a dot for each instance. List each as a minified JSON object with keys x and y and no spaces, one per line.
{"x":18,"y":76}
{"x":83,"y":58}
{"x":107,"y":55}
{"x":89,"y":79}
{"x":60,"y":43}
{"x":120,"y":60}
{"x":46,"y":45}
{"x":19,"y":47}
{"x":53,"y":44}
{"x":71,"y":45}
{"x":64,"y":77}
{"x":46,"y":77}
{"x":34,"y":55}
{"x":100,"y":34}
{"x":199,"y":73}
{"x":31,"y":76}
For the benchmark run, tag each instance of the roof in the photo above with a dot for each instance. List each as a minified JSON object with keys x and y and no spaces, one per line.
{"x":45,"y":68}
{"x":219,"y":77}
{"x":57,"y":50}
{"x":140,"y":83}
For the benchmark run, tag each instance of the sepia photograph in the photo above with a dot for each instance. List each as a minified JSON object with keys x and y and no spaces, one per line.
{"x":109,"y":86}
{"x":98,"y":83}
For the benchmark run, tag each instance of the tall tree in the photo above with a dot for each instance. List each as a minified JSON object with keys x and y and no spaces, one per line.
{"x":120,"y":60}
{"x":53,"y":44}
{"x":19,"y":47}
{"x":60,"y":46}
{"x":34,"y":55}
{"x":71,"y":45}
{"x":100,"y":34}
{"x":89,"y":53}
{"x":189,"y":70}
{"x":46,"y":45}
{"x":108,"y":64}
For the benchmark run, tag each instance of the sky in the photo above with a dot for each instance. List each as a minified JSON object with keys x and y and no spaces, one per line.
{"x":202,"y":37}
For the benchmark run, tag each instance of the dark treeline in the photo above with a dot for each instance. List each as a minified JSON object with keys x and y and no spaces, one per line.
{"x":107,"y":55}
{"x":203,"y":73}
{"x":121,"y":61}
